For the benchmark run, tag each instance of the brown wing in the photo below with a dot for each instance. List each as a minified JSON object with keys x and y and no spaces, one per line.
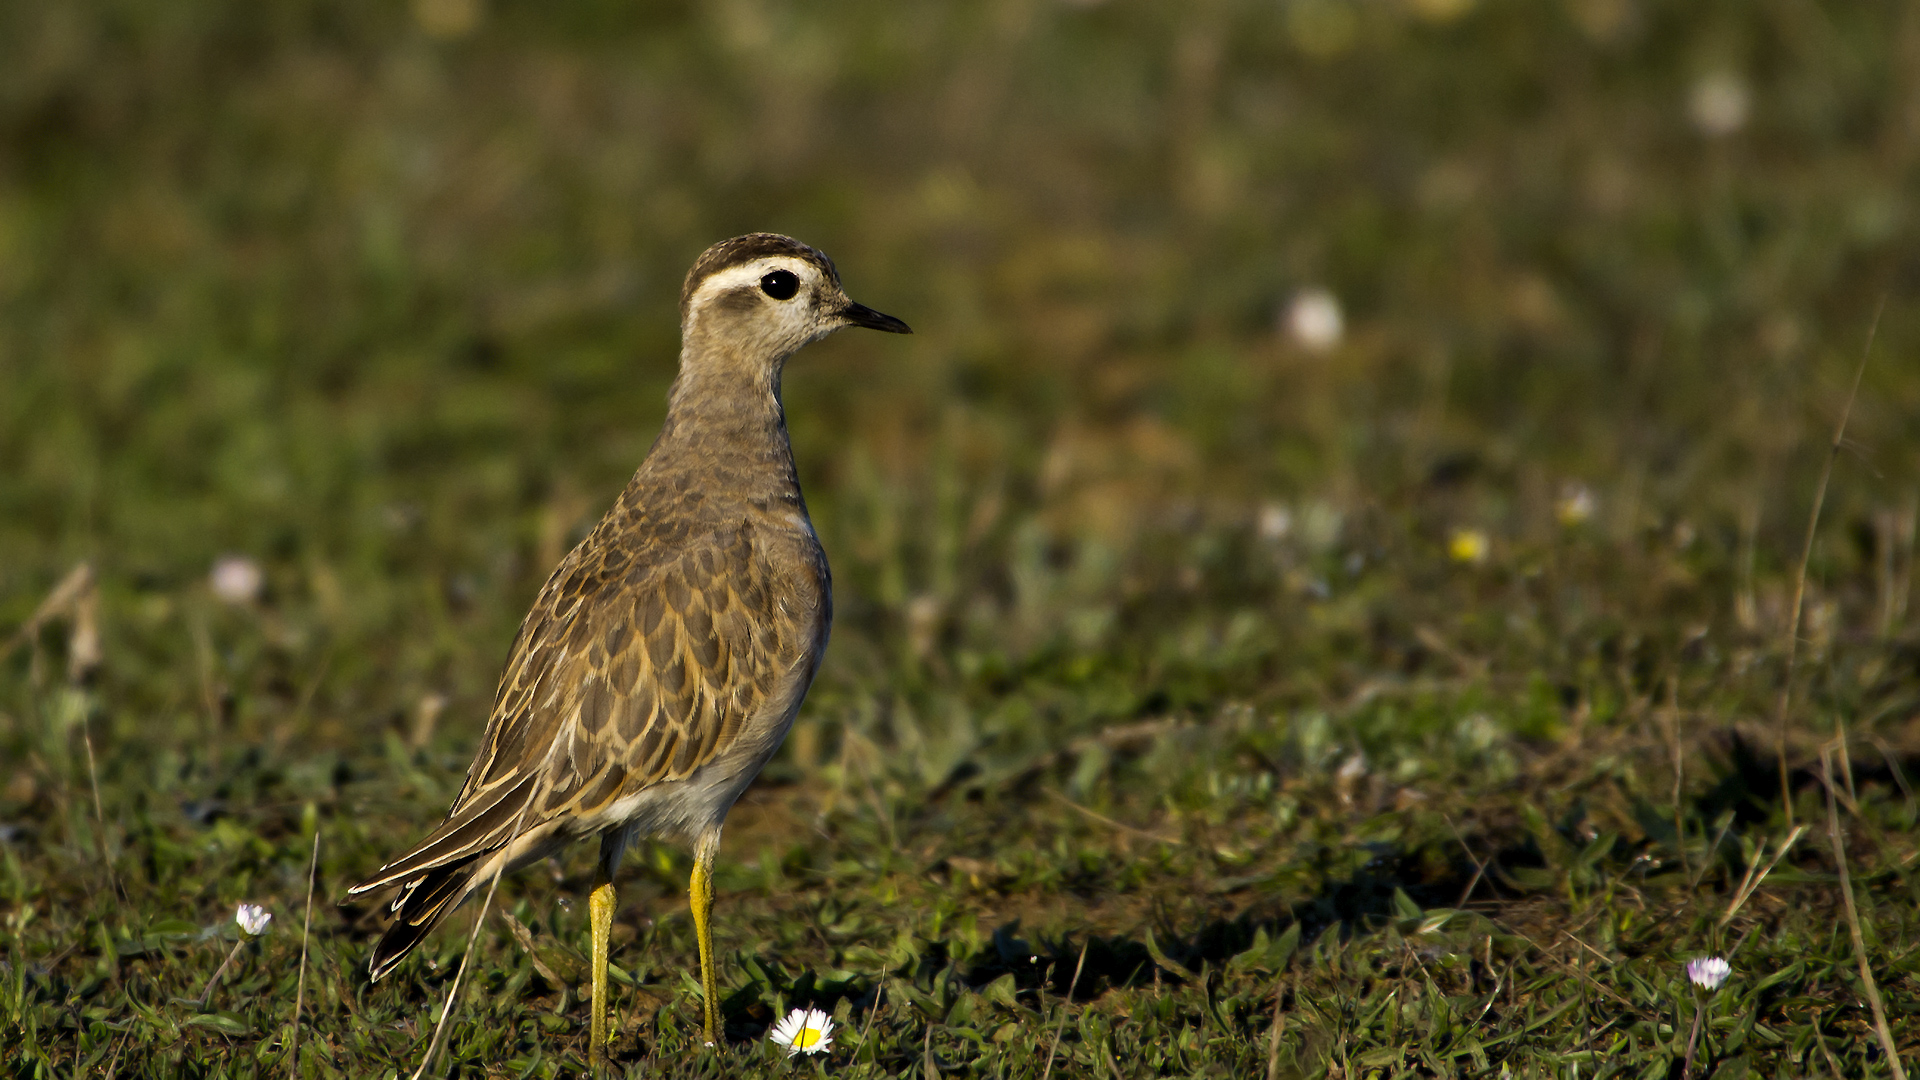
{"x":637,"y":665}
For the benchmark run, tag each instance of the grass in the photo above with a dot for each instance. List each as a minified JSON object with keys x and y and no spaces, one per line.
{"x":1166,"y":729}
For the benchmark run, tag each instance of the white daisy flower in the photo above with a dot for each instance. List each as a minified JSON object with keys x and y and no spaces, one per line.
{"x":252,"y":918}
{"x":236,"y":579}
{"x":1313,"y":319}
{"x":1708,"y":972}
{"x":804,"y":1031}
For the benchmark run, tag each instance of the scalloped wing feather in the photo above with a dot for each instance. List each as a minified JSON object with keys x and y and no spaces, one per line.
{"x":630,"y":671}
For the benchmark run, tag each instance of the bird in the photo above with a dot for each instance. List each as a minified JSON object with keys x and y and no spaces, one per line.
{"x":666,"y":656}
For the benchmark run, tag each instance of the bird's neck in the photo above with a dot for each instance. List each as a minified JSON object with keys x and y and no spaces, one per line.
{"x":725,"y":423}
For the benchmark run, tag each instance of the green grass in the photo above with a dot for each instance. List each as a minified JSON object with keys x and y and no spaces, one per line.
{"x":1150,"y":649}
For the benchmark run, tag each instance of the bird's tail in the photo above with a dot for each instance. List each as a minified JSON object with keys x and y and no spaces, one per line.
{"x":422,"y":903}
{"x":438,"y":873}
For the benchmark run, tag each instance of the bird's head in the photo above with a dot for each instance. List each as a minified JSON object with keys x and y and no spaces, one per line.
{"x":761,"y":297}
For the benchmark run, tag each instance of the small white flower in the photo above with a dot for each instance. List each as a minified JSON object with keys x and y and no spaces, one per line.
{"x":1276,"y":522}
{"x":1575,"y":505}
{"x":252,"y":918}
{"x":804,"y":1031}
{"x":1718,"y":104}
{"x":236,"y":579}
{"x":1708,"y":972}
{"x":1314,"y":320}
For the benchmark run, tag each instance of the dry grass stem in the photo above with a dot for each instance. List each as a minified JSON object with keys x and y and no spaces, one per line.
{"x":1110,"y":823}
{"x":1671,"y":722}
{"x":879,"y":990}
{"x":76,"y":584}
{"x":1785,"y":697}
{"x":1060,"y":1028}
{"x":1278,"y":1028}
{"x":1892,"y":762}
{"x":453,"y":992}
{"x":113,"y":1062}
{"x":99,"y":814}
{"x":1895,"y":539}
{"x":306,"y":928}
{"x":1833,"y":1065}
{"x":1867,"y":984}
{"x":1706,"y":861}
{"x":1757,"y":874}
{"x":1479,"y":867}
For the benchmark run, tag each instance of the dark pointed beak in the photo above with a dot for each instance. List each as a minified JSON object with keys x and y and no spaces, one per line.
{"x":862,"y":315}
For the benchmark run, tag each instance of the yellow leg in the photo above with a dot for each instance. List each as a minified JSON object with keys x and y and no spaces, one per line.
{"x":700,"y":898}
{"x":600,"y":905}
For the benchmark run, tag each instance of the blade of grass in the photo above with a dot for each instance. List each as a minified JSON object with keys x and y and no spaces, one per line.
{"x":1706,"y":863}
{"x":1871,"y":988}
{"x":453,"y":992}
{"x":1278,"y":1029}
{"x":1060,"y":1028}
{"x":879,"y":988}
{"x":78,"y":581}
{"x":1671,"y":715}
{"x":1833,"y":1066}
{"x":1806,"y":556}
{"x":99,"y":814}
{"x":1893,"y":766}
{"x":1756,"y":874}
{"x":1103,"y":819}
{"x":114,"y":1061}
{"x":306,"y":928}
{"x":1479,"y":867}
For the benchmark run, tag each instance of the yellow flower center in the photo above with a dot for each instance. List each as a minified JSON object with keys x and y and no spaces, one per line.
{"x":807,"y":1037}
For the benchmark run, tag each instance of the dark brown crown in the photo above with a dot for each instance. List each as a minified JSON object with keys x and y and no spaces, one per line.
{"x":745,"y":249}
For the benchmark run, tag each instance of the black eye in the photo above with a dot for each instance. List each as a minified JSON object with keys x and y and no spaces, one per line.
{"x":781,"y":284}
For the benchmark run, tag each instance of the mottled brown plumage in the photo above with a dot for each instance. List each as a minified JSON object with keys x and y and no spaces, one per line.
{"x":665,"y":657}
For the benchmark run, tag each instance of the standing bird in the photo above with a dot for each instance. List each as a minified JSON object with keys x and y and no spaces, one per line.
{"x":664,"y":660}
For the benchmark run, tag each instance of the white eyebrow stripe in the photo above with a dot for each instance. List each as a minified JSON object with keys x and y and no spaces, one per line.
{"x":749,"y":274}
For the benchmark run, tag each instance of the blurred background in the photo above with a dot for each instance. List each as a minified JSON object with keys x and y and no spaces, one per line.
{"x":1235,"y":321}
{"x":1422,"y":389}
